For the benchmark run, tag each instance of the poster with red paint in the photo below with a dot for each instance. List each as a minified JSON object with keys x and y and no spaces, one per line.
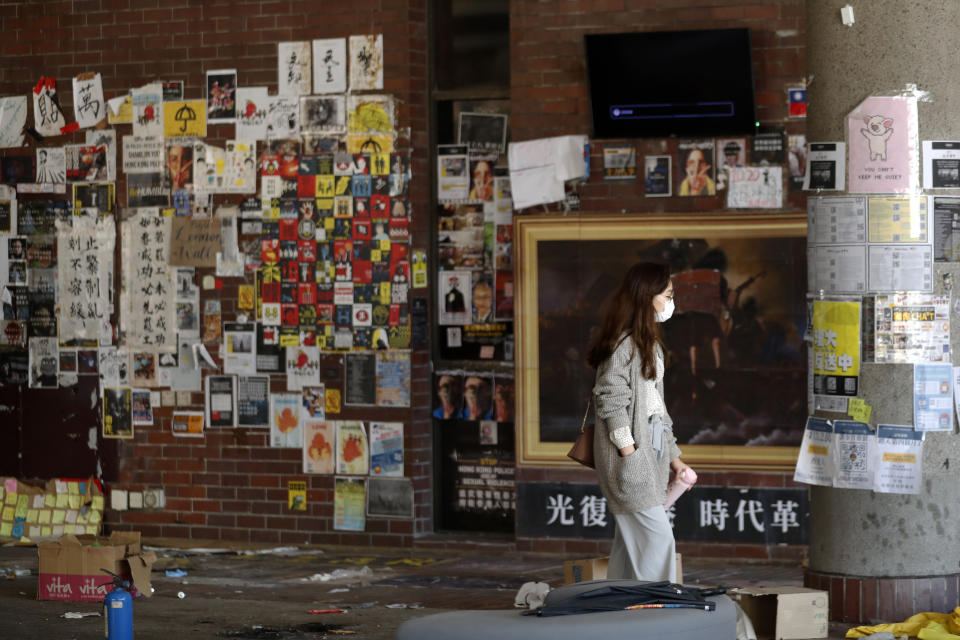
{"x":352,"y":451}
{"x":318,"y":443}
{"x":884,"y":150}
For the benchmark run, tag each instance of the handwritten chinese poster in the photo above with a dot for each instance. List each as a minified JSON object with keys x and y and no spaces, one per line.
{"x":88,"y":105}
{"x":85,"y":250}
{"x":148,"y":285}
{"x":293,"y":68}
{"x":47,"y":117}
{"x":330,"y":65}
{"x":366,"y":62}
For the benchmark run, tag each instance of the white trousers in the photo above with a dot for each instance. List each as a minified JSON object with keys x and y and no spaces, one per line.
{"x":643,"y":547}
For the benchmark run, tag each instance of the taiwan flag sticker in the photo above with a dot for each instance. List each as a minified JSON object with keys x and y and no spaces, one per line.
{"x":798,"y":103}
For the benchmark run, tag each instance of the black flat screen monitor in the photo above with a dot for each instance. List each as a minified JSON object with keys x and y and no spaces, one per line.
{"x":671,"y":83}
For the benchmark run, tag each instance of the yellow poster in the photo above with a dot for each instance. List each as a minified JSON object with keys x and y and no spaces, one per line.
{"x":297,"y":495}
{"x":246,"y":297}
{"x":185,"y":119}
{"x":120,"y":111}
{"x":332,"y":400}
{"x":836,"y":347}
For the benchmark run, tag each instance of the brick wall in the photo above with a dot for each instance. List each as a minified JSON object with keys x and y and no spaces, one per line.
{"x":549,"y":96}
{"x":231,"y":485}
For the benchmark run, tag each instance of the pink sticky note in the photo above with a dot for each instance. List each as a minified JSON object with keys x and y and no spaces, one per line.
{"x":10,"y":484}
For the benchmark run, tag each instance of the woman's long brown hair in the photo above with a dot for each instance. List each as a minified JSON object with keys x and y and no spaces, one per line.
{"x":630,"y":311}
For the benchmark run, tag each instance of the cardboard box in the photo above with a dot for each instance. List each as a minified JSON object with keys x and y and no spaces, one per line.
{"x":71,"y":568}
{"x":786,"y":613}
{"x":596,"y":569}
{"x":583,"y":570}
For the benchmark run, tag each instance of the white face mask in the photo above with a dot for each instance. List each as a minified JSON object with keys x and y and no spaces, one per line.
{"x":663,"y":316}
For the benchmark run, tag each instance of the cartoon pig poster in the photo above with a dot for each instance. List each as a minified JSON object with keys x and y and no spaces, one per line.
{"x":884,"y":150}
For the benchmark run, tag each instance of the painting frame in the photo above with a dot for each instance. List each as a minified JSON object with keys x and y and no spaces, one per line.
{"x":530,"y":231}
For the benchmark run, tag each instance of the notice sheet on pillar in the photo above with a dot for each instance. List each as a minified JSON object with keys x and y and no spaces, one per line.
{"x":899,"y":459}
{"x":884,"y":149}
{"x":855,"y":454}
{"x":815,"y":462}
{"x":933,"y":397}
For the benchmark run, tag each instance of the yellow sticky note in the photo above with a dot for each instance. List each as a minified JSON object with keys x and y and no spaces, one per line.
{"x":73,"y":501}
{"x":384,"y":245}
{"x":59,"y":515}
{"x":49,"y":500}
{"x":91,"y":529}
{"x":46,"y":531}
{"x":23,"y":503}
{"x":33,"y":515}
{"x":45,"y":516}
{"x":11,"y":498}
{"x":62,"y":501}
{"x":6,"y":528}
{"x":95,"y":517}
{"x":82,"y":518}
{"x":73,"y":488}
{"x":97,"y":503}
{"x":8,"y":514}
{"x":1,"y":495}
{"x":859,"y":410}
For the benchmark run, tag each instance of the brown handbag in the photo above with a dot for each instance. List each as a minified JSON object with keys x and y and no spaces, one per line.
{"x":582,"y":449}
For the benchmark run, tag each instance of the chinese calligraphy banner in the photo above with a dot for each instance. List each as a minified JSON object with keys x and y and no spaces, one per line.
{"x":705,"y":514}
{"x":148,"y":288}
{"x":85,"y":249}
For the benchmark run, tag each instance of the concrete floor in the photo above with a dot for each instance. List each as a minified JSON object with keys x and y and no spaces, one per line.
{"x":267,"y":593}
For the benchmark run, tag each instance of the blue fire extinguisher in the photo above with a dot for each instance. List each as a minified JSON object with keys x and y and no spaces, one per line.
{"x":118,"y":610}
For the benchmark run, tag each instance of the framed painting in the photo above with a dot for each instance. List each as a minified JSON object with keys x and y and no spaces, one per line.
{"x":736,"y":376}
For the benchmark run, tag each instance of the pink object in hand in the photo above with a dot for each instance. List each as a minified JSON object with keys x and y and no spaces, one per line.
{"x":681,"y":483}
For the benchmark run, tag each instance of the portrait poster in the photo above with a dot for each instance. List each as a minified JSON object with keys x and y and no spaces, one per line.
{"x":148,"y":111}
{"x":187,"y":424}
{"x":323,"y":114}
{"x":184,"y":119}
{"x":51,"y":164}
{"x":142,"y":411}
{"x":318,"y":443}
{"x":313,"y":402}
{"x":484,"y":132}
{"x":251,"y":121}
{"x":455,"y":304}
{"x":386,"y":449}
{"x":253,"y":401}
{"x":695,"y":168}
{"x":221,"y":401}
{"x":882,"y":134}
{"x":85,"y":295}
{"x":731,"y":152}
{"x":389,"y":497}
{"x":44,"y":363}
{"x":366,"y":62}
{"x":353,"y":458}
{"x":329,"y":65}
{"x":221,"y":95}
{"x":658,"y":176}
{"x":294,"y":77}
{"x":732,"y":291}
{"x":349,"y":500}
{"x":107,"y":139}
{"x":117,"y":413}
{"x":13,"y":119}
{"x":285,"y":410}
{"x":393,"y":378}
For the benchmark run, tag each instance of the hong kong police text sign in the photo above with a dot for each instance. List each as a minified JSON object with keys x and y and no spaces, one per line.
{"x":705,"y":514}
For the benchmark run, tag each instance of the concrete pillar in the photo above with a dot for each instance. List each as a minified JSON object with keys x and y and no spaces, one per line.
{"x":882,"y":556}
